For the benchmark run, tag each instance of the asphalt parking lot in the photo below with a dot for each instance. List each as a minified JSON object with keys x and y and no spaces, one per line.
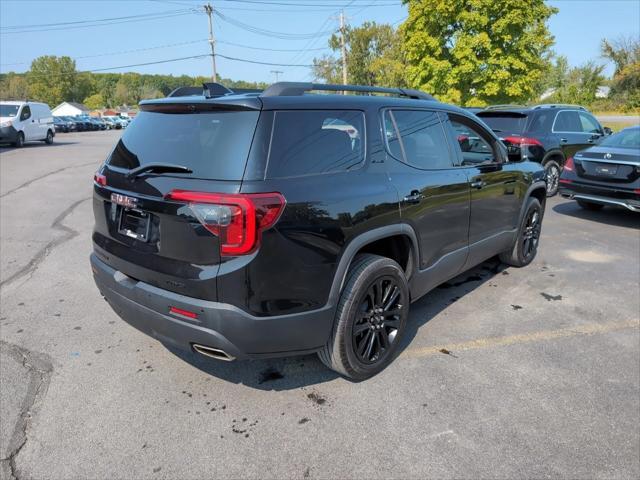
{"x":540,"y":375}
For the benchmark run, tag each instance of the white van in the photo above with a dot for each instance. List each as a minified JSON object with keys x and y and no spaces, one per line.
{"x":26,"y":122}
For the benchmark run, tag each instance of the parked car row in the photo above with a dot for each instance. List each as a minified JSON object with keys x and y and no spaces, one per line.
{"x":84,"y":123}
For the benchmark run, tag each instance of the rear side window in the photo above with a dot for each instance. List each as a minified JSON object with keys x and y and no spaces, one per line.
{"x":417,"y":137}
{"x":567,"y":121}
{"x":308,"y":142}
{"x":213,"y":145}
{"x":505,"y":123}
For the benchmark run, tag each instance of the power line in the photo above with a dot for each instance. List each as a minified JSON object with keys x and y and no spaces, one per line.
{"x":37,"y":25}
{"x":269,"y":33}
{"x":263,"y":63}
{"x":288,"y":4}
{"x":273,"y":49}
{"x":122,"y":52}
{"x":101,"y":24}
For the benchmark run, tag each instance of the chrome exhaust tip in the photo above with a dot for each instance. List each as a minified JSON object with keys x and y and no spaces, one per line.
{"x":213,"y":353}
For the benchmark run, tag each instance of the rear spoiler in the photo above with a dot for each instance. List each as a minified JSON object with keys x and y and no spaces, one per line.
{"x":211,"y":90}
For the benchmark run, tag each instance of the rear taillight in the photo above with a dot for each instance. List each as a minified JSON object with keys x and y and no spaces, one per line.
{"x":568,"y":166}
{"x":238,"y":220}
{"x":523,"y":141}
{"x":100,"y":179}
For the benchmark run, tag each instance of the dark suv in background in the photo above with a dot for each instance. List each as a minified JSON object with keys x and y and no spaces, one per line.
{"x":285,"y":222}
{"x":546,"y":134}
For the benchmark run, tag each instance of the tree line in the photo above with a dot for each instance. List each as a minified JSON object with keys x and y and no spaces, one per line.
{"x":467,"y":53}
{"x":54,"y":80}
{"x":482,"y":53}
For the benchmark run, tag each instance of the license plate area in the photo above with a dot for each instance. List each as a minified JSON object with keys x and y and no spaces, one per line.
{"x":134,"y":223}
{"x":606,"y":170}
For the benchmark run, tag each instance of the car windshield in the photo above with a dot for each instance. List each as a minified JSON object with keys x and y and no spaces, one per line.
{"x":504,"y":122}
{"x":628,"y":138}
{"x":9,"y":110}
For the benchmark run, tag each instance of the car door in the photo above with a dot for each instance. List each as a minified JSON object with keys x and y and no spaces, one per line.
{"x":29,"y":126}
{"x":433,"y":193}
{"x":497,"y":187}
{"x":576,"y":131}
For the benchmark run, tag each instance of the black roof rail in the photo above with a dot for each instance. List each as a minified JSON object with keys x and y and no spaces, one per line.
{"x":282,"y":89}
{"x":505,"y":106}
{"x":559,"y":105}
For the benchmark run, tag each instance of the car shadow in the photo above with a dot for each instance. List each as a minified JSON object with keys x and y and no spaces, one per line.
{"x":4,"y":148}
{"x":290,"y":373}
{"x":618,"y":217}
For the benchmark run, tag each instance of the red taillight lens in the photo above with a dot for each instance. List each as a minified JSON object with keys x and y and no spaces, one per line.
{"x":100,"y":179}
{"x":523,"y":141}
{"x":237,"y":219}
{"x":184,"y":313}
{"x":568,"y":166}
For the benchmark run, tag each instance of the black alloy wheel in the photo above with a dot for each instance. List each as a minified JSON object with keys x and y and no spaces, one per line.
{"x":378,"y":320}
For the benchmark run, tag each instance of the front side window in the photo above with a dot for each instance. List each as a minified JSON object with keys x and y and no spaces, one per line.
{"x":310,"y":142}
{"x":26,"y":113}
{"x":589,"y":124}
{"x":417,"y":137}
{"x":474,"y":147}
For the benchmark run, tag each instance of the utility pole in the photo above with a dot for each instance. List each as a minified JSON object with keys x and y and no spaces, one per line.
{"x":344,"y":48}
{"x":277,"y":74}
{"x":212,"y":41}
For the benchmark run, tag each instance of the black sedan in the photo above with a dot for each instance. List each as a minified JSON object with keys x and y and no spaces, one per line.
{"x":607,"y":174}
{"x":61,"y":126}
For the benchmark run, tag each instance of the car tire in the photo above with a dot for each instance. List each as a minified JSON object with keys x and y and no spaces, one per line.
{"x":526,"y":244}
{"x":552,"y":171}
{"x":19,"y":143}
{"x":590,"y":205}
{"x":49,"y":139}
{"x":370,"y":318}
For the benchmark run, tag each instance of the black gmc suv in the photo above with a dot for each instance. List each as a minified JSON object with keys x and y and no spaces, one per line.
{"x":284,"y":222}
{"x":547,"y":134}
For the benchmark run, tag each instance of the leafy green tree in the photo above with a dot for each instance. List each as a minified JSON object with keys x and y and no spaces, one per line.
{"x":477,"y":51}
{"x":577,"y":85}
{"x":52,"y":80}
{"x":13,"y":87}
{"x":374,"y":57}
{"x":94,"y":101}
{"x":625,"y":54}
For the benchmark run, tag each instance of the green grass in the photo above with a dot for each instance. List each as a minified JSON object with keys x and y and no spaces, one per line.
{"x":617,"y":126}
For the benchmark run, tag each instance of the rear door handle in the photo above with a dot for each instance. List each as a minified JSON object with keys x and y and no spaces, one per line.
{"x":563,"y":140}
{"x":414,"y":197}
{"x":478,"y":184}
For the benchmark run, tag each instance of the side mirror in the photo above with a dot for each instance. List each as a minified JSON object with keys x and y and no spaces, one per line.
{"x":607,"y":131}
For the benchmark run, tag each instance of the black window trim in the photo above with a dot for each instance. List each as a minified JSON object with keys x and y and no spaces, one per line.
{"x":22,"y":110}
{"x":487,"y":137}
{"x":355,"y":168}
{"x":578,"y":112}
{"x":452,"y":155}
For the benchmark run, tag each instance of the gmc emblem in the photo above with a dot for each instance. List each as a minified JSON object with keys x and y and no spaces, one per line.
{"x":123,"y":200}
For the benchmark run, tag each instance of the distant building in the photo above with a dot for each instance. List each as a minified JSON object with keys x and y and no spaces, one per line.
{"x":603,"y":91}
{"x":70,"y":109}
{"x":547,"y":93}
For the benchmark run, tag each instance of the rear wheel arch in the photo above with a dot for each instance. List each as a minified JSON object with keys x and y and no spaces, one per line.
{"x":398,"y":242}
{"x":556,"y":155}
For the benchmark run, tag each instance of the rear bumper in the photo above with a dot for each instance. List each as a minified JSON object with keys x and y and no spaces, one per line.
{"x":602,"y":195}
{"x":218,"y":325}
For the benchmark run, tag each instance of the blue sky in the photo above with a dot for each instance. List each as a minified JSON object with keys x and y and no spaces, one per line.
{"x":181,"y":32}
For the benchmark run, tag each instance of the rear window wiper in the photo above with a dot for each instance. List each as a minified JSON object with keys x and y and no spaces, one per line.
{"x":158,"y":168}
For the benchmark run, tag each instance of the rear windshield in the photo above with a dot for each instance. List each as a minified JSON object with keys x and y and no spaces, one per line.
{"x":504,"y":122}
{"x":629,"y":138}
{"x":213,"y":145}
